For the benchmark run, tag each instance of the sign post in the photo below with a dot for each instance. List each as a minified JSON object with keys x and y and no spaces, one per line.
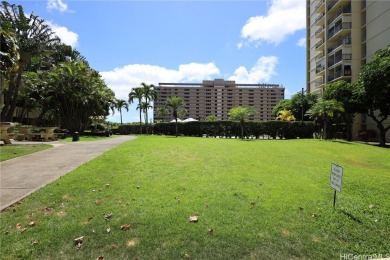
{"x":336,"y":179}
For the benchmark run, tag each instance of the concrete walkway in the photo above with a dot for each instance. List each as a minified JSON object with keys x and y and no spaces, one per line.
{"x":21,"y":176}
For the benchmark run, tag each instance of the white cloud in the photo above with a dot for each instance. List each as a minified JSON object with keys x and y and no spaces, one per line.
{"x":262,"y":71}
{"x":302,"y":42}
{"x":284,"y":18}
{"x":57,"y":5}
{"x":122,"y":80}
{"x":66,"y":36}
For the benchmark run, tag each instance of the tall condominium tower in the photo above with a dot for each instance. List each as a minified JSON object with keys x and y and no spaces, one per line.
{"x":217,"y":97}
{"x":343,"y":35}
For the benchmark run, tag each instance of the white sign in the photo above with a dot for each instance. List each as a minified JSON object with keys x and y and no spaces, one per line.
{"x":336,"y":177}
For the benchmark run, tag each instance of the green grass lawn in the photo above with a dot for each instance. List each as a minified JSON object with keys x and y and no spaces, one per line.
{"x":12,"y":151}
{"x":263,"y":199}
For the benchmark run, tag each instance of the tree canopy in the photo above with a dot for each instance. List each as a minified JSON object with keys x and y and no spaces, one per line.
{"x":373,"y":90}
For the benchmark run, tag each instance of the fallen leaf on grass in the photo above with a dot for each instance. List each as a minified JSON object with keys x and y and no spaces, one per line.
{"x":372,"y":206}
{"x":285,"y":232}
{"x":113,"y":246}
{"x":253,"y":203}
{"x":108,"y":230}
{"x":100,"y":257}
{"x":131,"y":243}
{"x":125,"y":227}
{"x":108,"y":216}
{"x":18,"y":226}
{"x":98,"y":202}
{"x":24,"y":229}
{"x":300,"y":208}
{"x":61,"y":214}
{"x":314,"y":215}
{"x":210,"y":230}
{"x":78,"y":242}
{"x":193,"y":219}
{"x":316,"y":239}
{"x":32,"y":223}
{"x":34,"y":242}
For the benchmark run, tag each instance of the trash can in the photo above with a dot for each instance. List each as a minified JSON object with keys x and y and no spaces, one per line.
{"x":76,"y":137}
{"x":107,"y":133}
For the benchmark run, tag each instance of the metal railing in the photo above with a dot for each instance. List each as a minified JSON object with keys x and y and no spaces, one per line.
{"x":338,"y":28}
{"x":345,"y":10}
{"x":345,"y":40}
{"x":319,"y":43}
{"x":319,"y":17}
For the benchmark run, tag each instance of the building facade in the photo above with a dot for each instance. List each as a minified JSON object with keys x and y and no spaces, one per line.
{"x":217,"y":97}
{"x":341,"y":36}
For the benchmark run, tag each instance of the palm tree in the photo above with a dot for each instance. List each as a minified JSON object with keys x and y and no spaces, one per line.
{"x":33,"y":38}
{"x":144,"y":106}
{"x":174,"y":103}
{"x":325,"y":110}
{"x":163,"y":112}
{"x":137,"y":93}
{"x":150,"y":94}
{"x":120,"y":103}
{"x":241,"y":114}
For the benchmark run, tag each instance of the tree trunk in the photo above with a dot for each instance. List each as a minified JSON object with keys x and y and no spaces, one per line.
{"x":140,"y":120}
{"x":176,"y":126}
{"x":382,"y":129}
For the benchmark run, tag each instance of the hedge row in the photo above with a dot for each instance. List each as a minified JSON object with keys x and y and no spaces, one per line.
{"x":227,"y":129}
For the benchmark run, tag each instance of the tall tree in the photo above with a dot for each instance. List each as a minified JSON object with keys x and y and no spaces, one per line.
{"x":298,"y":104}
{"x":342,"y":91}
{"x":163,"y":112}
{"x":373,"y":90}
{"x":175,"y":103}
{"x":137,"y":93}
{"x":119,"y":104}
{"x":150,"y":94}
{"x":80,"y":95}
{"x":241,"y":114}
{"x":144,"y":107}
{"x":33,"y":38}
{"x":324,"y":110}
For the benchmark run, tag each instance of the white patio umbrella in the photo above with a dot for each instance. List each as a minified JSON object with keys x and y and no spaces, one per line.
{"x":190,"y":119}
{"x":178,"y":120}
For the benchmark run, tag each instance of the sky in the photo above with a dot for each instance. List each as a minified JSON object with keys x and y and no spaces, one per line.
{"x":153,"y":41}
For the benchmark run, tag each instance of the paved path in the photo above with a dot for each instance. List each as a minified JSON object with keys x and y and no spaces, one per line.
{"x":21,"y":176}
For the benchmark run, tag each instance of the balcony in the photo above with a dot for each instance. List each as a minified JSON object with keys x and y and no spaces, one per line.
{"x":345,"y":41}
{"x":319,"y":44}
{"x":319,"y":8}
{"x":319,"y":18}
{"x":320,"y":32}
{"x":331,"y":4}
{"x":345,"y":10}
{"x":339,"y":58}
{"x":340,"y":74}
{"x":320,"y":68}
{"x":337,"y":28}
{"x":319,"y":56}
